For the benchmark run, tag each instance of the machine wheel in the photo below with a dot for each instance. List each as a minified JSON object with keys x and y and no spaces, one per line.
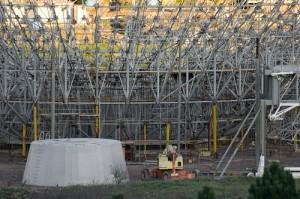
{"x":166,"y":176}
{"x":145,"y":174}
{"x":196,"y":172}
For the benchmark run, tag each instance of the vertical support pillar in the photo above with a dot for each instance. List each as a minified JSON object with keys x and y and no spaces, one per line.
{"x":35,"y":123}
{"x":259,"y":95}
{"x":97,"y":121}
{"x":260,"y":137}
{"x":179,"y":97}
{"x":214,"y":112}
{"x":209,"y":127}
{"x":295,"y":129}
{"x":242,"y":135}
{"x":24,"y":140}
{"x":296,"y":139}
{"x":145,"y":139}
{"x":262,"y":131}
{"x":168,"y":132}
{"x":97,"y":40}
{"x":53,"y":97}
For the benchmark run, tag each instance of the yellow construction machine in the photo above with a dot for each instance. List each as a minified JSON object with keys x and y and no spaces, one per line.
{"x":169,"y":166}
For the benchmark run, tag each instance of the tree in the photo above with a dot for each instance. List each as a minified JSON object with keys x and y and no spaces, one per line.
{"x":80,"y":2}
{"x":118,"y":196}
{"x":276,"y":183}
{"x":206,"y":193}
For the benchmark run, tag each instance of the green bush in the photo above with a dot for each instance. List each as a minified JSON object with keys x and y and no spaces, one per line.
{"x":11,"y":193}
{"x":206,"y":193}
{"x":118,"y":196}
{"x":274,"y":184}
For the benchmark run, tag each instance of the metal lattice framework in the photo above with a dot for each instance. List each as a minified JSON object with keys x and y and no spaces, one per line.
{"x":113,"y":75}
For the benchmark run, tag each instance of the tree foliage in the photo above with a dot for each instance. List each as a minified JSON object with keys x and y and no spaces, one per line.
{"x":118,"y":196}
{"x":80,"y":2}
{"x":276,"y":183}
{"x":206,"y":193}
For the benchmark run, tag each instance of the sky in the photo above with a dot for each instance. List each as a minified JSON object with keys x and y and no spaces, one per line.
{"x":152,"y":2}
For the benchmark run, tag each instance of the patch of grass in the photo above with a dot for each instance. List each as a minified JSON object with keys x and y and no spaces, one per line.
{"x":184,"y":189}
{"x":13,"y":193}
{"x":119,"y":196}
{"x":229,"y":187}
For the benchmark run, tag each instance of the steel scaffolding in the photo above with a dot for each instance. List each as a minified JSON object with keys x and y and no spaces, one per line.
{"x":131,"y":73}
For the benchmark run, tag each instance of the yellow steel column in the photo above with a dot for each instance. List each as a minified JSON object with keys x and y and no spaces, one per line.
{"x":97,"y":122}
{"x":24,"y":140}
{"x":145,"y":139}
{"x":168,"y":132}
{"x":35,"y":123}
{"x":296,"y":139}
{"x":214,"y":111}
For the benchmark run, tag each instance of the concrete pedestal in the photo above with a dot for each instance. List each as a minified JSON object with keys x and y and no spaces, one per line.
{"x":77,"y":161}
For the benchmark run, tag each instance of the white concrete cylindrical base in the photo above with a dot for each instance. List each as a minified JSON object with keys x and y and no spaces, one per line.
{"x":77,"y":161}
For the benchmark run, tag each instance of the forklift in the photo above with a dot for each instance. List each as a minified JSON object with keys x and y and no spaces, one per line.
{"x":170,"y":166}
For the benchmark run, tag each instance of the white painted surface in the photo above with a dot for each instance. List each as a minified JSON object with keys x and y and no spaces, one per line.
{"x":90,"y":2}
{"x":261,"y":166}
{"x":80,"y":14}
{"x":78,"y":161}
{"x":295,"y":171}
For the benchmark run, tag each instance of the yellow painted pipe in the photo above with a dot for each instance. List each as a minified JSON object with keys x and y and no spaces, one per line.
{"x":35,"y":123}
{"x":24,"y":140}
{"x":145,"y":139}
{"x":214,"y":111}
{"x":168,"y":133}
{"x":97,"y":121}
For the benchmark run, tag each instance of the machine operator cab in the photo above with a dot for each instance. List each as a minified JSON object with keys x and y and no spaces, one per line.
{"x":170,"y":159}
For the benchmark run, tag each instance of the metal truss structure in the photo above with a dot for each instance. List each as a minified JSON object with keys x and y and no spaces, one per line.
{"x":127,"y":76}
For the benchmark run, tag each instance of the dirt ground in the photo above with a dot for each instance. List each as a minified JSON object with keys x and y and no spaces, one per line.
{"x":11,"y":169}
{"x":12,"y":166}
